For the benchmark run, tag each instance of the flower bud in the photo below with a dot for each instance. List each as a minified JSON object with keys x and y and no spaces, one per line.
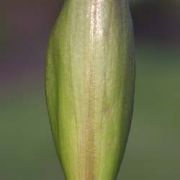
{"x":90,"y":86}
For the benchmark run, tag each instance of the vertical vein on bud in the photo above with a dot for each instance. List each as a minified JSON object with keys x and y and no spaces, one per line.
{"x":89,"y":122}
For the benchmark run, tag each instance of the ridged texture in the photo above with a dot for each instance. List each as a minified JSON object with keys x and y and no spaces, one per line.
{"x":90,"y":86}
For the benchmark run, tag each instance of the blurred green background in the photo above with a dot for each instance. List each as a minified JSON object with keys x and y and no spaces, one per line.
{"x":26,"y":148}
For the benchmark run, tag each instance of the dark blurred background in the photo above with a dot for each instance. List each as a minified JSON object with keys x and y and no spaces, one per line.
{"x":26,"y":148}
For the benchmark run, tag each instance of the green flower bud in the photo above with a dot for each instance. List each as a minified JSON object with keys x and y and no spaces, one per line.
{"x":90,"y":86}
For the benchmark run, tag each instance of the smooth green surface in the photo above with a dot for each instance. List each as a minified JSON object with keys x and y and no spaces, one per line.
{"x":90,"y":87}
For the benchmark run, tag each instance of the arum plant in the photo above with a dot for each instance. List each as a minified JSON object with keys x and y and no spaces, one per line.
{"x":90,"y":86}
